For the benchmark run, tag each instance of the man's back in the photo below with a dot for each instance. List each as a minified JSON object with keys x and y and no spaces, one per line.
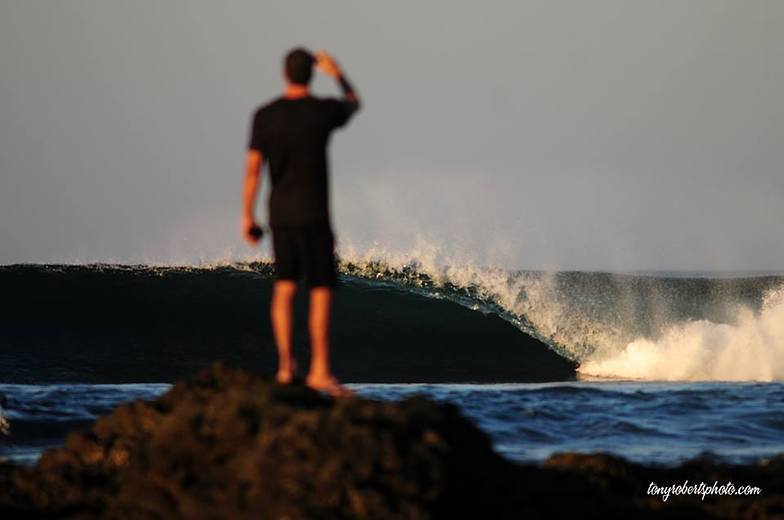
{"x":293,"y":135}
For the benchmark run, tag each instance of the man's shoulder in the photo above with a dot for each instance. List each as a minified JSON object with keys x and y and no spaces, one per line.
{"x":267,"y":106}
{"x":338,"y":111}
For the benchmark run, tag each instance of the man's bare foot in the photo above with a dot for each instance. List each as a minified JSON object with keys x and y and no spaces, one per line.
{"x":285,"y":377}
{"x":328,"y":385}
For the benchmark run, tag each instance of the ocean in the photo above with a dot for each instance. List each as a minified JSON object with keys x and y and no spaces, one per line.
{"x":655,"y":367}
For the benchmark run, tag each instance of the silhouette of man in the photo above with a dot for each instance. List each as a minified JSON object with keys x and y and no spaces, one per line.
{"x":291,"y":133}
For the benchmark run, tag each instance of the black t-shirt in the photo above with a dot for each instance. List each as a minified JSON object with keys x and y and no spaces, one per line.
{"x":292,"y":134}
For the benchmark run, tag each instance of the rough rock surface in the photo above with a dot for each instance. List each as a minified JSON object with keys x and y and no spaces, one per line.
{"x":228,"y":444}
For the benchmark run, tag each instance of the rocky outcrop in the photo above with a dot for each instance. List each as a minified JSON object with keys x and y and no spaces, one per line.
{"x":227,"y":444}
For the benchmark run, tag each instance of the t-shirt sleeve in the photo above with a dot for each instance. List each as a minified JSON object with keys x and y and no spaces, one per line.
{"x":338,"y":112}
{"x":257,"y":139}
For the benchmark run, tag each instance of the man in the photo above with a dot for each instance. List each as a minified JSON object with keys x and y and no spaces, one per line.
{"x":292,"y":133}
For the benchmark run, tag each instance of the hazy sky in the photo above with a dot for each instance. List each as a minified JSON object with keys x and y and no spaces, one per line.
{"x":538,"y":134}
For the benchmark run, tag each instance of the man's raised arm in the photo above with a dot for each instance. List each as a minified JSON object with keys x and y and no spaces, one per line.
{"x":327,"y":64}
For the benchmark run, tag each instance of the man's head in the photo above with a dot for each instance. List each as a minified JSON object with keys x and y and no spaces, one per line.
{"x":298,"y":66}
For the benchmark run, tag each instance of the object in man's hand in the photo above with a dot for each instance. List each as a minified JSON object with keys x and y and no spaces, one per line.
{"x":256,"y":232}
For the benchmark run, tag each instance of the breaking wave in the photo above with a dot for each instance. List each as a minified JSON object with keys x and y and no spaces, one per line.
{"x":649,"y":326}
{"x":652,"y":326}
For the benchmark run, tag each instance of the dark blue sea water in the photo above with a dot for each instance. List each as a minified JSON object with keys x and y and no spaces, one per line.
{"x":648,"y":422}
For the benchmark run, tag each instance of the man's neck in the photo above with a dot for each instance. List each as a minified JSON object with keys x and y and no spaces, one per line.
{"x":294,"y":91}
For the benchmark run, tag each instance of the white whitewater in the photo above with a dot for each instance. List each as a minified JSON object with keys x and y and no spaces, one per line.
{"x":752,"y":349}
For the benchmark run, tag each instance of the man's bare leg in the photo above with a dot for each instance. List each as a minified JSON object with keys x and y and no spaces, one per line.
{"x":281,"y":313}
{"x":320,"y":376}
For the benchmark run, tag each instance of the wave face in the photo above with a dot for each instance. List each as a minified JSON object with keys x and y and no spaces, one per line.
{"x":396,"y":321}
{"x":108,"y":324}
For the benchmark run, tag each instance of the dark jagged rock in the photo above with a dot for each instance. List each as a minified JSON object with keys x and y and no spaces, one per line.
{"x":227,"y":444}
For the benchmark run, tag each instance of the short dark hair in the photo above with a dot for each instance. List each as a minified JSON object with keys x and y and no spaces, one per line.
{"x":299,"y":66}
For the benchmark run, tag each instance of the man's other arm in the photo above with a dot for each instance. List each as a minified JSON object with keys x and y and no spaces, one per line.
{"x":253,"y":162}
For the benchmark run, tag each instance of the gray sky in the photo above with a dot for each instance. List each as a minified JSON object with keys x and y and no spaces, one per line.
{"x":538,"y":134}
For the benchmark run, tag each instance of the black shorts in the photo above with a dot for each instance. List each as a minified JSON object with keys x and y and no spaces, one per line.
{"x":305,"y":251}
